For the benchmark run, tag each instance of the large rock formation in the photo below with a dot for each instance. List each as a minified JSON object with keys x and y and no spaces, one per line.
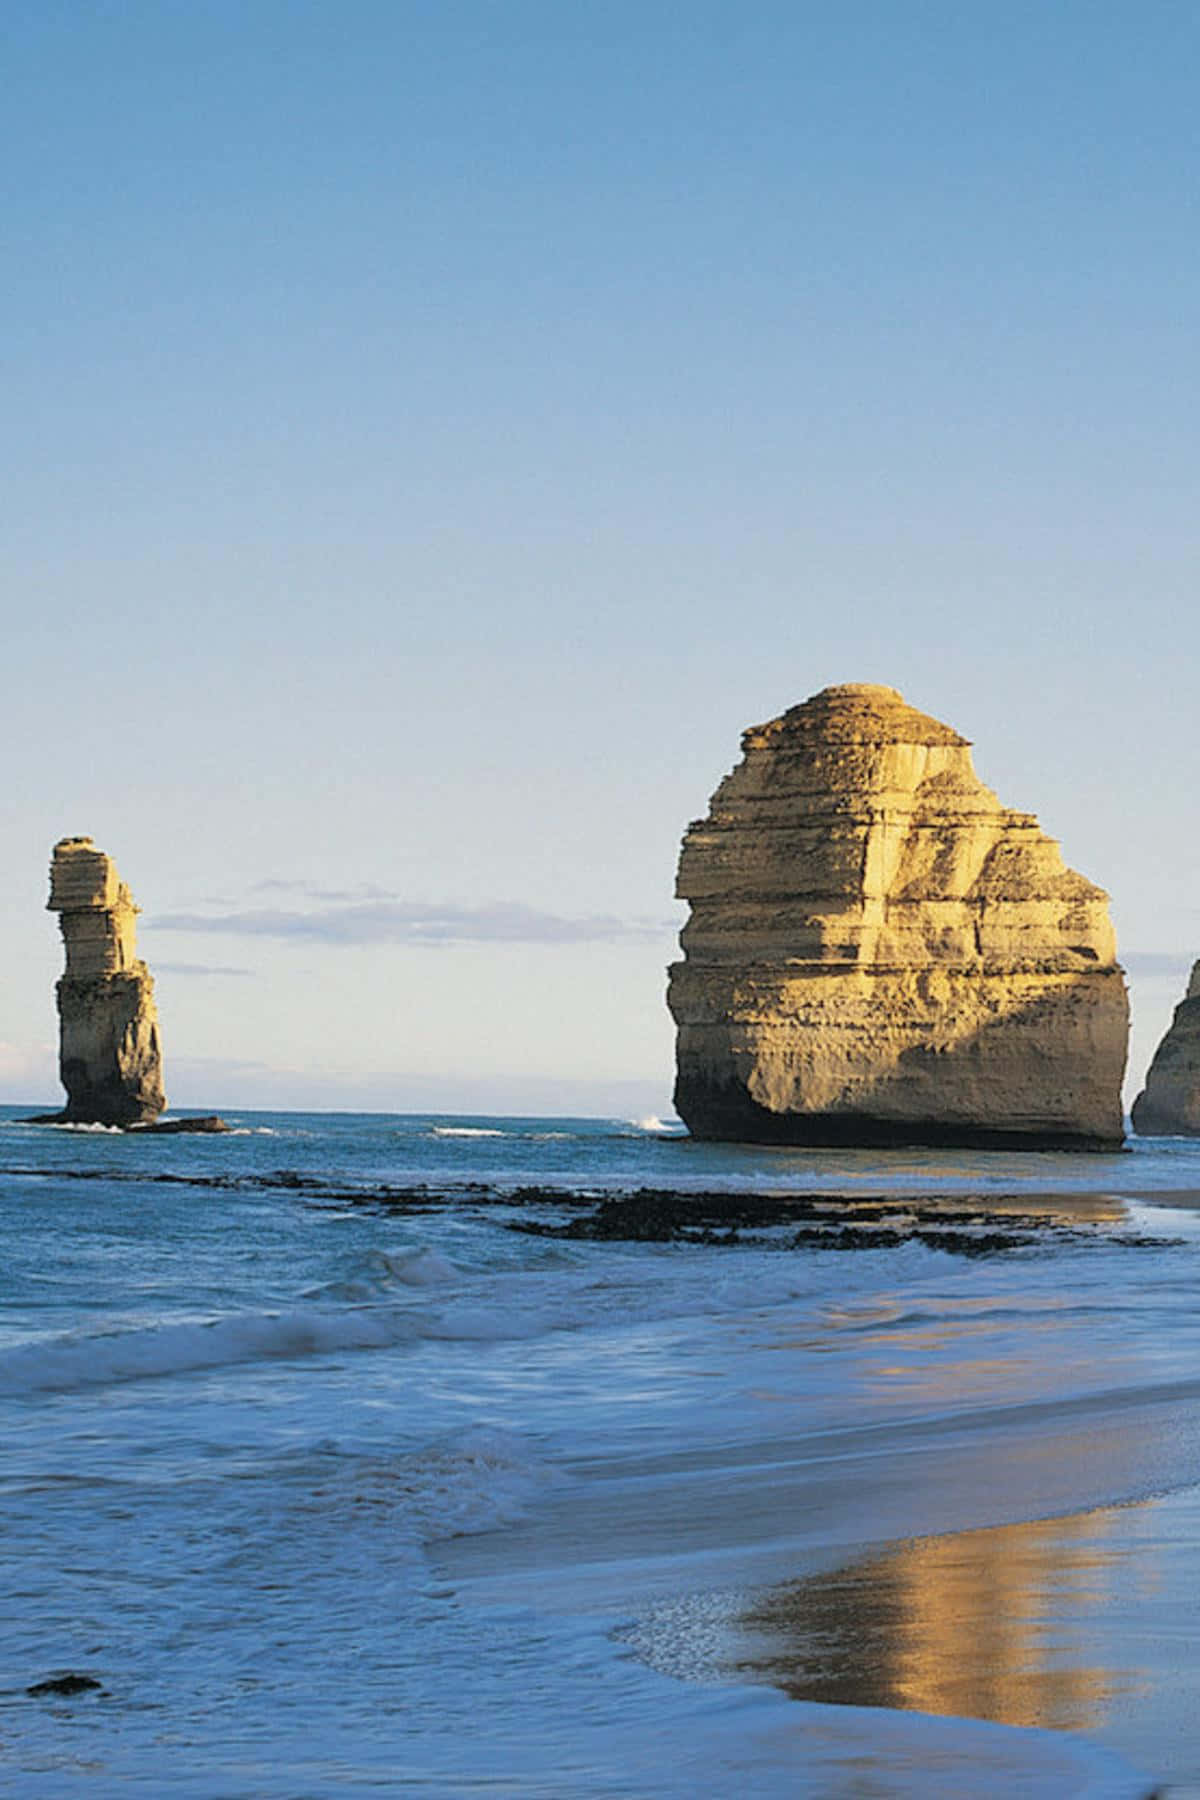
{"x":109,"y":1056}
{"x":878,"y":952}
{"x":1169,"y":1104}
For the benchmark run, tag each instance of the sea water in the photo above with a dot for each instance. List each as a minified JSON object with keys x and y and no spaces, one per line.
{"x":334,"y":1477}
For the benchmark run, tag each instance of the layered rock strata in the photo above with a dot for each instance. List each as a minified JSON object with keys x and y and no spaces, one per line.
{"x":1169,"y":1104}
{"x":878,"y":952}
{"x":109,"y":1055}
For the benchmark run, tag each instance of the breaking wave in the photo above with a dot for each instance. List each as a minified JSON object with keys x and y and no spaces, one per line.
{"x":653,"y":1126}
{"x":74,"y":1126}
{"x":62,"y":1364}
{"x":369,"y":1308}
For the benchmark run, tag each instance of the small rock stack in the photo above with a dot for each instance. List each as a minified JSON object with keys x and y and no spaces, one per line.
{"x":110,"y":1059}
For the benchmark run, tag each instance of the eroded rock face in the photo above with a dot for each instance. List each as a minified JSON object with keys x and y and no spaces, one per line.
{"x":878,"y":952}
{"x":1169,"y":1104}
{"x":109,"y":1055}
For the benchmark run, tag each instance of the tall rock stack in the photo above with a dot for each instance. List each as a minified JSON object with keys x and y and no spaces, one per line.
{"x":878,"y":952}
{"x":109,"y":1056}
{"x":1169,"y":1104}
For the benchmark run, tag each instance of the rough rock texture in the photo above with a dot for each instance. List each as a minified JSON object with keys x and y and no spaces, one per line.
{"x":109,"y":1057}
{"x":878,"y":952}
{"x":1169,"y":1104}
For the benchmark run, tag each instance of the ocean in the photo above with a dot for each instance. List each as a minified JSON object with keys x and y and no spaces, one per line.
{"x":568,"y":1457}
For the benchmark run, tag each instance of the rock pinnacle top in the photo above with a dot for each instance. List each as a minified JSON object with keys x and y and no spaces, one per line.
{"x":859,"y":712}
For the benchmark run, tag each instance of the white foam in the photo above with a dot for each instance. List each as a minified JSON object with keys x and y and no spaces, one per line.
{"x":88,"y":1129}
{"x":466,"y":1131}
{"x":472,"y":1480}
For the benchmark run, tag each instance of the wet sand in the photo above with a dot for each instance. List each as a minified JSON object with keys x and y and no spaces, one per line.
{"x":1080,"y":1623}
{"x":1006,"y":1548}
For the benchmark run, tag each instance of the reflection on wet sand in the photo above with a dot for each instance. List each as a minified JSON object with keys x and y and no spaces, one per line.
{"x":986,"y":1624}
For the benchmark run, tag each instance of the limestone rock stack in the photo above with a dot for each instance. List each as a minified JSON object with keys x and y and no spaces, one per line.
{"x":1169,"y":1104}
{"x":878,"y":952}
{"x":109,"y":1056}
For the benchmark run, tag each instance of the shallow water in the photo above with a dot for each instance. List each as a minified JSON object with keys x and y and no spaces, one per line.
{"x":334,"y":1490}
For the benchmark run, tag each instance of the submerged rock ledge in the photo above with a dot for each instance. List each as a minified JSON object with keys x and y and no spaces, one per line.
{"x":207,"y":1122}
{"x":966,"y":1224}
{"x":880,"y":953}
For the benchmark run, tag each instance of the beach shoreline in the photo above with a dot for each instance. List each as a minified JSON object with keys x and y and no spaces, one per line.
{"x":709,"y":1564}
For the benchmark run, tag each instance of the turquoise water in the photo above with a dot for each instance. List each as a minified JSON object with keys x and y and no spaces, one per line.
{"x":335,"y":1488}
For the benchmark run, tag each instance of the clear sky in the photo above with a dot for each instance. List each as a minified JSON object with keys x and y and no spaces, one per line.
{"x":433,"y":430}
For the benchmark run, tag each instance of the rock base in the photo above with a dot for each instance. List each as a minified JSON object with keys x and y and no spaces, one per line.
{"x":205,"y":1123}
{"x":734,"y":1118}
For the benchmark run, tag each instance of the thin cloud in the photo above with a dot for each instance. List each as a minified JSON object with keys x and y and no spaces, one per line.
{"x":186,"y":968}
{"x":377,"y":922}
{"x":307,"y":890}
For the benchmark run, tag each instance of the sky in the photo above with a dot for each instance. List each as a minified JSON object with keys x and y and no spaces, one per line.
{"x":434,"y":431}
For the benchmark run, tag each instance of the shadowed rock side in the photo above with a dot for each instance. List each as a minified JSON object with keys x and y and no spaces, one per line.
{"x":1169,"y":1104}
{"x":109,"y":1056}
{"x":878,"y":952}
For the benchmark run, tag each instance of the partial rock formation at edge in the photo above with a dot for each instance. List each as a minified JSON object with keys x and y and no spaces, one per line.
{"x":878,"y":952}
{"x":110,"y":1061}
{"x":1169,"y":1104}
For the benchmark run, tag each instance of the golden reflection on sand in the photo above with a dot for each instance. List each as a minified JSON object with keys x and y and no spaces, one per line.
{"x":985,"y":1624}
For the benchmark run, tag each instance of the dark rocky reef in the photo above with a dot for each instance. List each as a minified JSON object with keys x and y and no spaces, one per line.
{"x":65,"y":1686}
{"x":789,"y":1222}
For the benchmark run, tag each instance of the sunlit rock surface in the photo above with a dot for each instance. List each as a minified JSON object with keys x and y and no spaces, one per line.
{"x":1169,"y":1104}
{"x":878,"y":952}
{"x":109,"y":1055}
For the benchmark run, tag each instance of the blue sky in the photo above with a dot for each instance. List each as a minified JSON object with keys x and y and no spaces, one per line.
{"x":435,"y":431}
